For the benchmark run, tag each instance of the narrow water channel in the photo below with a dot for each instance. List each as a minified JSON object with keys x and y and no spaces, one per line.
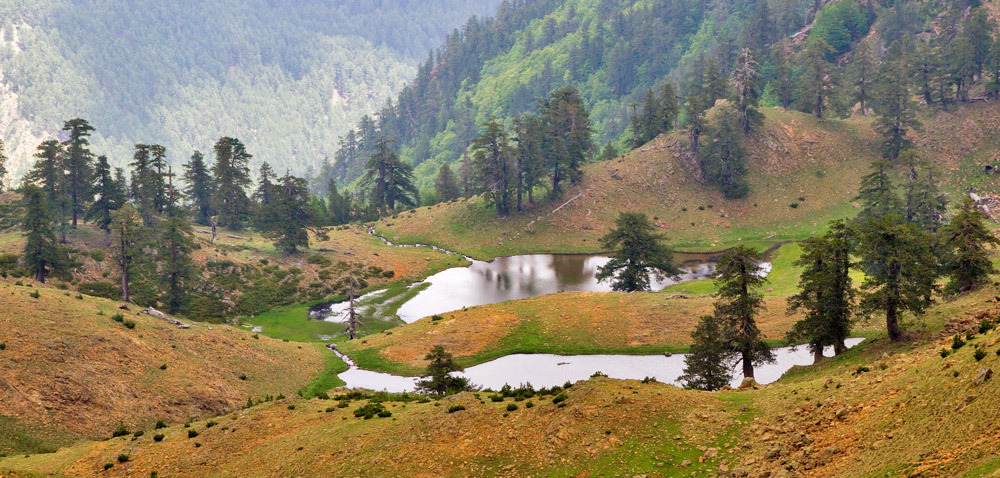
{"x":548,"y":370}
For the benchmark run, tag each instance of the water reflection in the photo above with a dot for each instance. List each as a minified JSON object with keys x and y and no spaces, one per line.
{"x":519,"y":277}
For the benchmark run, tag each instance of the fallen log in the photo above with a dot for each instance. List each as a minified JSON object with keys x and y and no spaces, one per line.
{"x":160,"y":315}
{"x":233,"y":236}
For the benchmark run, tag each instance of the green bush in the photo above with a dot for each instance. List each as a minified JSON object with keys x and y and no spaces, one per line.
{"x":34,"y":294}
{"x":138,"y":434}
{"x":511,"y":407}
{"x":108,"y":466}
{"x":122,"y":458}
{"x":210,"y":424}
{"x":121,"y":431}
{"x":158,"y":437}
{"x":945,"y":353}
{"x":957,"y":342}
{"x":384,"y":414}
{"x":129,"y":324}
{"x":560,"y":398}
{"x":860,"y":370}
{"x":456,"y":408}
{"x":160,"y":424}
{"x":435,"y":318}
{"x":118,"y":317}
{"x":986,"y":325}
{"x":369,"y":410}
{"x":529,"y":404}
{"x":192,"y":433}
{"x":3,"y":345}
{"x":979,"y":354}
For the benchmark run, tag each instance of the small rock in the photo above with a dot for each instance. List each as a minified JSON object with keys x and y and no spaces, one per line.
{"x":983,"y":375}
{"x":685,"y":463}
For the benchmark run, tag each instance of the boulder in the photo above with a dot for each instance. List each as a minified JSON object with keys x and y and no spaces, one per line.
{"x":749,"y":383}
{"x":982,"y":376}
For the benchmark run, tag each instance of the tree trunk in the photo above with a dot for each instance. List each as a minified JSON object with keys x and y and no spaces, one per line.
{"x":817,"y":351}
{"x":747,"y":366}
{"x":892,"y":322}
{"x":40,"y":274}
{"x":126,"y":296}
{"x":839,"y":346}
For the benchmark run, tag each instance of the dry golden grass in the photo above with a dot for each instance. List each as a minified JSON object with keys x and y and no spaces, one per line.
{"x":65,"y":367}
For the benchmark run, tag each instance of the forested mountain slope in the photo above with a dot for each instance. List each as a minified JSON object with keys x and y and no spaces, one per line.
{"x":287,"y":77}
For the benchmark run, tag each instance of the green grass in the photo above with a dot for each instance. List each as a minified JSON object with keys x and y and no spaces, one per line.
{"x":327,"y":379}
{"x":16,"y":437}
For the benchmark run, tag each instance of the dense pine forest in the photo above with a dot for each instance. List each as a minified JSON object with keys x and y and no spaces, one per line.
{"x":289,"y":77}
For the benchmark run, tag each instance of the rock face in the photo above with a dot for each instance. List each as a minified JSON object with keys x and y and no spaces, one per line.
{"x":982,"y":376}
{"x":749,"y":383}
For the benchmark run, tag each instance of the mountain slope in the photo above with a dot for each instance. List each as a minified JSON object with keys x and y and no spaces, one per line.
{"x":287,"y":77}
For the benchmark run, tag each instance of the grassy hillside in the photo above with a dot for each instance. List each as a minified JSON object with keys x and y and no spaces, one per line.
{"x":881,"y":409}
{"x":69,"y":370}
{"x":796,"y":159}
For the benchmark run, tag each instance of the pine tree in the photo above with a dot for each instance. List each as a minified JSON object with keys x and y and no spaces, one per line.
{"x":42,"y":254}
{"x":900,"y":269}
{"x":174,"y":254}
{"x":666,"y":116}
{"x":860,"y":72}
{"x":48,"y":174}
{"x":340,"y":205}
{"x":747,"y":83}
{"x":716,"y":83}
{"x":965,"y":238}
{"x":387,"y":180}
{"x":439,"y":380}
{"x":737,"y":277}
{"x":694,"y":110}
{"x":264,"y":184}
{"x":925,"y":204}
{"x":128,"y":238}
{"x":148,"y":182}
{"x":993,"y":64}
{"x":287,"y":216}
{"x":445,"y":183}
{"x":723,"y":159}
{"x":708,"y":364}
{"x":891,"y":102}
{"x":816,"y":83}
{"x":639,"y":253}
{"x":570,"y":136}
{"x":491,"y":154}
{"x":962,"y":66}
{"x":232,"y":178}
{"x":79,"y":167}
{"x":924,"y":67}
{"x":876,"y":194}
{"x":532,"y":145}
{"x":110,"y":195}
{"x":825,"y":291}
{"x":199,"y":188}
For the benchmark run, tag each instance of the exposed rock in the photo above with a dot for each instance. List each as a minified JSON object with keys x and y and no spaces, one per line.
{"x":983,"y":375}
{"x":749,"y":383}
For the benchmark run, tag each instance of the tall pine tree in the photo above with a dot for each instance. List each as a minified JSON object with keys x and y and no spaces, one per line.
{"x":388,"y":181}
{"x":42,"y":254}
{"x":966,"y":239}
{"x":232,"y":178}
{"x":200,"y":188}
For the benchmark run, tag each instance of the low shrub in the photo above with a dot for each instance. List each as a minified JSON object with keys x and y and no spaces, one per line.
{"x":945,"y":353}
{"x":138,"y":434}
{"x":103,"y":289}
{"x":210,"y":424}
{"x":122,"y":458}
{"x":163,"y":367}
{"x":129,"y":324}
{"x":511,"y":407}
{"x":369,"y":410}
{"x":860,"y":370}
{"x":158,"y":437}
{"x":160,"y":424}
{"x":957,"y":342}
{"x":118,"y":317}
{"x":979,"y":354}
{"x":384,"y":414}
{"x":121,"y":431}
{"x":456,"y":408}
{"x":108,"y":466}
{"x":435,"y":318}
{"x":34,"y":294}
{"x":192,"y":433}
{"x":560,"y":398}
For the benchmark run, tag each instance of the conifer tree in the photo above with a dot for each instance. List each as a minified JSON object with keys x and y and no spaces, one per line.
{"x":639,"y":253}
{"x":199,"y":188}
{"x":128,"y":238}
{"x":387,"y":180}
{"x":79,"y":167}
{"x":924,"y":67}
{"x":287,"y":216}
{"x":570,"y":136}
{"x":42,"y":254}
{"x":925,"y":205}
{"x":816,"y":83}
{"x":491,"y":153}
{"x":439,"y":380}
{"x":716,"y":83}
{"x":445,"y":183}
{"x":861,"y":71}
{"x":900,"y":269}
{"x":708,"y":364}
{"x":694,"y":110}
{"x":232,"y":178}
{"x":264,"y":185}
{"x":110,"y":195}
{"x":891,"y":102}
{"x":738,"y":277}
{"x":966,"y":238}
{"x":148,"y":186}
{"x":825,"y":291}
{"x":48,"y":174}
{"x":339,"y":205}
{"x":877,"y":195}
{"x":532,"y":145}
{"x":747,"y":83}
{"x":723,"y":159}
{"x":174,"y":254}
